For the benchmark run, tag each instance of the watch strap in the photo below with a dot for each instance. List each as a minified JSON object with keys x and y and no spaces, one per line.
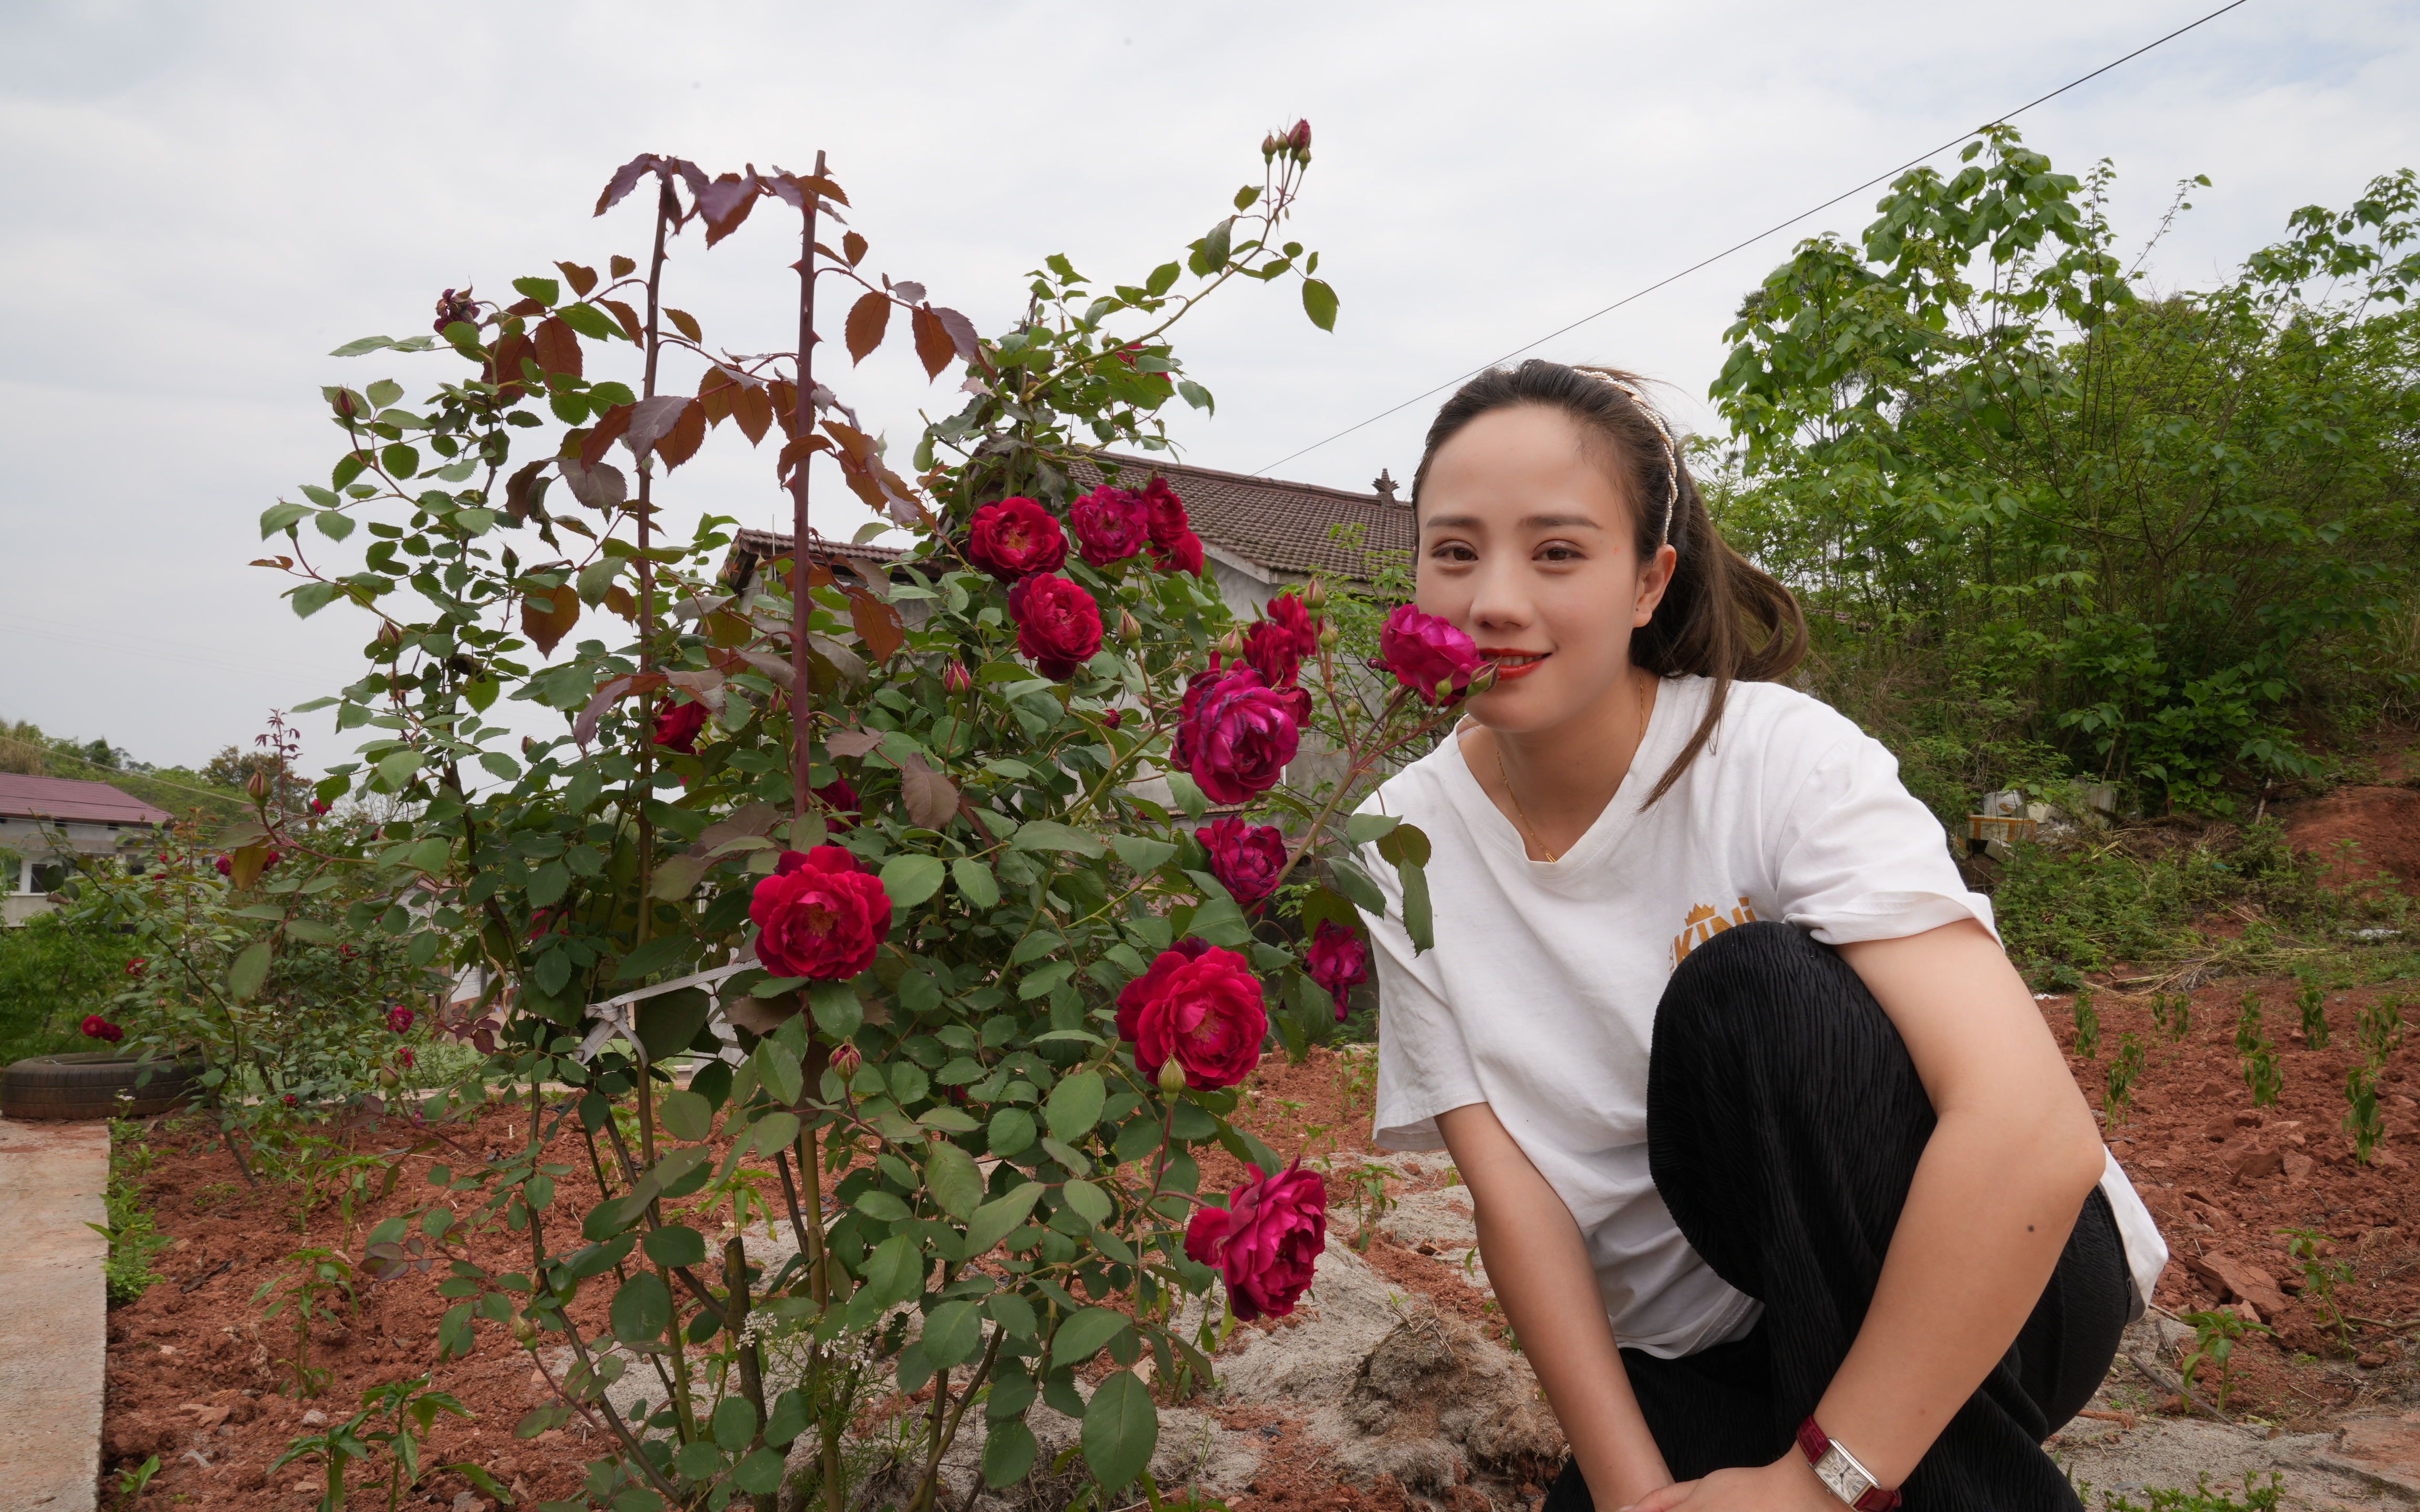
{"x":1841,"y":1472}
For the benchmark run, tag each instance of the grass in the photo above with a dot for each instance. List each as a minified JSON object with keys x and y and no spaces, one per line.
{"x":2202,"y":1499}
{"x":133,"y":1237}
{"x":52,"y":974}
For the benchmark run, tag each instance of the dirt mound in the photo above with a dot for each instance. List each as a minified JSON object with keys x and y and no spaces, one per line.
{"x":2365,"y":833}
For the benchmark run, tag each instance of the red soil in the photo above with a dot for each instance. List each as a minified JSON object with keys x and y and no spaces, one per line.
{"x":2367,"y":835}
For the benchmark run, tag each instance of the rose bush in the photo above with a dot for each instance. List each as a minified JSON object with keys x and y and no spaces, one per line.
{"x":922,"y":887}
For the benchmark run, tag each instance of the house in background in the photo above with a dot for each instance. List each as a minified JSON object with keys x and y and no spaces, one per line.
{"x":1260,"y":536}
{"x":44,"y":820}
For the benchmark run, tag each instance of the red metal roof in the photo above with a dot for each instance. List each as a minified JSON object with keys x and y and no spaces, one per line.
{"x":65,"y":798}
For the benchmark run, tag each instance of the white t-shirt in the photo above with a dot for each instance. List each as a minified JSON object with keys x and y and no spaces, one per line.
{"x":1539,"y":999}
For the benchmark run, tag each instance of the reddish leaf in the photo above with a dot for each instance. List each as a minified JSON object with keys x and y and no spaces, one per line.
{"x":714,"y":396}
{"x":796,"y":449}
{"x":618,"y":599}
{"x":706,"y":688}
{"x":933,"y":345}
{"x":686,"y":323}
{"x":546,"y":619}
{"x":932,"y":798}
{"x":725,"y":202}
{"x":867,"y":320}
{"x":504,"y":364}
{"x":727,"y":629}
{"x":878,"y":623}
{"x":907,"y":288}
{"x":852,"y":246}
{"x":624,"y":180}
{"x":248,"y":862}
{"x":652,"y":420}
{"x":593,"y":447}
{"x":581,"y":279}
{"x":525,"y":493}
{"x":583,"y":726}
{"x":600,"y":486}
{"x":852,"y":744}
{"x":754,"y":408}
{"x":962,"y":335}
{"x":628,"y":317}
{"x":525,"y":307}
{"x":621,"y":267}
{"x":784,"y":395}
{"x":555,"y":346}
{"x":681,"y":443}
{"x":286,"y":563}
{"x":822,"y":186}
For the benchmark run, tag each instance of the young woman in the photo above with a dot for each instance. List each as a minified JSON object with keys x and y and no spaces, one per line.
{"x":1779,"y":1174}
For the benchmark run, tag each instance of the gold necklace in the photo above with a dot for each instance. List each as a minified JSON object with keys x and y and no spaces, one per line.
{"x":1521,"y":815}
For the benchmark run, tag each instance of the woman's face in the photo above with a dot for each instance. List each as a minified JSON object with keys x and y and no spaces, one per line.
{"x":1525,"y":543}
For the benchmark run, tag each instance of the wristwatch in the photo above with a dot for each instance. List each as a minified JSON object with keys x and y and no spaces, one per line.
{"x":1841,"y":1470}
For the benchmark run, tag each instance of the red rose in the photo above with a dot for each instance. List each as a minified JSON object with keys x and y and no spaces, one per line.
{"x":1423,"y":650}
{"x":818,"y":916}
{"x":1200,"y":1006}
{"x":1112,"y":524}
{"x":406,"y":1056}
{"x":398,"y":1018}
{"x":1058,"y":623}
{"x":1292,"y":617}
{"x":957,"y":680}
{"x":1338,"y":961}
{"x":1266,"y":1240}
{"x":291,"y":1101}
{"x":1111,"y":718}
{"x":321,"y":805}
{"x":1271,"y":650}
{"x":677,"y":726}
{"x":1246,"y":859}
{"x":839,"y":796}
{"x":1237,"y":734}
{"x":225,"y":866}
{"x":134,"y":967}
{"x":1169,"y":521}
{"x":1183,"y":553}
{"x":1013,"y":538}
{"x":98,"y":1027}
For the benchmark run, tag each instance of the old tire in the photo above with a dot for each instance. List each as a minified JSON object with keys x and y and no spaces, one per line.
{"x":95,"y":1083}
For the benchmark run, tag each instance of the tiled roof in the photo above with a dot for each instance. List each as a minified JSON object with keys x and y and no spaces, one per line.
{"x":1287,"y":526}
{"x":1277,"y":526}
{"x":65,"y":798}
{"x":752,"y":546}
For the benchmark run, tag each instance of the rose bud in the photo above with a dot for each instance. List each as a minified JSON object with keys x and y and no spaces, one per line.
{"x":225,"y":866}
{"x":1299,"y":140}
{"x":1268,"y":146}
{"x":957,"y":679}
{"x":1171,"y":1077}
{"x":321,"y":805}
{"x":1129,"y":628}
{"x":524,"y":1332}
{"x":1314,"y":595}
{"x":1230,"y":646}
{"x":1328,"y":637}
{"x":386,"y":1076}
{"x":1111,"y":718}
{"x":390,"y":641}
{"x":259,"y":785}
{"x":845,"y":1061}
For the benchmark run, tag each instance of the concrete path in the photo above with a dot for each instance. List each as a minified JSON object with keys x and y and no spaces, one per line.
{"x":53,"y":1324}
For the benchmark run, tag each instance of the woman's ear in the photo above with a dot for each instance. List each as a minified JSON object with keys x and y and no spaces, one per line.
{"x":1653,"y":578}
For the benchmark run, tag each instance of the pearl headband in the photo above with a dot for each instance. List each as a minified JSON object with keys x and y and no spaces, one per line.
{"x":1671,"y":463}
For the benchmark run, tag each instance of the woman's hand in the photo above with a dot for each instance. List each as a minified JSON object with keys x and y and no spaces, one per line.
{"x":1787,"y":1485}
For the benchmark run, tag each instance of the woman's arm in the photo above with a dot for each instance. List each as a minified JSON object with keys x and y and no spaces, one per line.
{"x":1539,"y":1268}
{"x":1995,"y":1195}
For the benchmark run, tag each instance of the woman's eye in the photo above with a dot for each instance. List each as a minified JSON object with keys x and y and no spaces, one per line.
{"x":1557,"y":551}
{"x":1454,"y":551}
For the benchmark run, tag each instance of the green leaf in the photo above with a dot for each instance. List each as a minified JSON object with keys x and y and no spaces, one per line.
{"x":1075,"y":1106}
{"x":1145,"y":856}
{"x":686,"y":1114}
{"x":975,"y":883}
{"x":1011,"y":1132}
{"x":547,"y":884}
{"x":590,"y":321}
{"x":249,"y":970}
{"x":596,"y":578}
{"x":360,"y":344}
{"x":735,"y":1424}
{"x":545,"y":290}
{"x":838,"y":1012}
{"x":1356,"y":886}
{"x":1120,"y":1430}
{"x":333,"y":524}
{"x":1319,"y":303}
{"x":1084,"y":1335}
{"x":653,"y":956}
{"x":277,"y":517}
{"x":669,"y":1021}
{"x":951,"y":1175}
{"x":675,"y":1244}
{"x":1418,"y":922}
{"x":882,"y":1207}
{"x":1361,"y":828}
{"x":953,"y":1332}
{"x":776,"y":1067}
{"x":775,"y":1131}
{"x":912,"y":878}
{"x":759,"y":1475}
{"x":894,"y":1272}
{"x":995,"y":1220}
{"x":1008,"y":1454}
{"x":642,"y":1309}
{"x":1050,"y":835}
{"x":1090,"y":1201}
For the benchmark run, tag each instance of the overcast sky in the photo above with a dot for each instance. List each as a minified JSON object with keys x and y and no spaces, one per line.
{"x":206,"y":199}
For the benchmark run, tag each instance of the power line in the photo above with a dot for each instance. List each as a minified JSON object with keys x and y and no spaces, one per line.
{"x":1743,"y":245}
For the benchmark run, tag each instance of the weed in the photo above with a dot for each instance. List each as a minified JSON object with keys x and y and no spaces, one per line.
{"x":2382,"y":1029}
{"x":1367,"y":1181}
{"x":401,"y":1404}
{"x":2123,"y":1069}
{"x":2259,"y":1056}
{"x":2315,"y":1015}
{"x":133,"y":1237}
{"x":131,"y":1484}
{"x":2172,"y":1015}
{"x":2202,"y":1499}
{"x":216,"y":1194}
{"x":2362,"y":1119}
{"x":2214,"y":1337}
{"x":304,"y":1296}
{"x":2320,"y":1277}
{"x":2087,"y":1025}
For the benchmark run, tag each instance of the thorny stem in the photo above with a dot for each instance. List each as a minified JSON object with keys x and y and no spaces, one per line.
{"x":802,"y":557}
{"x":621,"y":1430}
{"x":751,"y":1369}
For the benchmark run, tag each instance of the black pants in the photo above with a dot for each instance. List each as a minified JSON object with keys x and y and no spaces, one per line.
{"x":1784,"y":1122}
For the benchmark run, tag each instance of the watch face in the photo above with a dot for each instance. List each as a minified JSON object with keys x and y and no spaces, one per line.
{"x":1841,"y":1476}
